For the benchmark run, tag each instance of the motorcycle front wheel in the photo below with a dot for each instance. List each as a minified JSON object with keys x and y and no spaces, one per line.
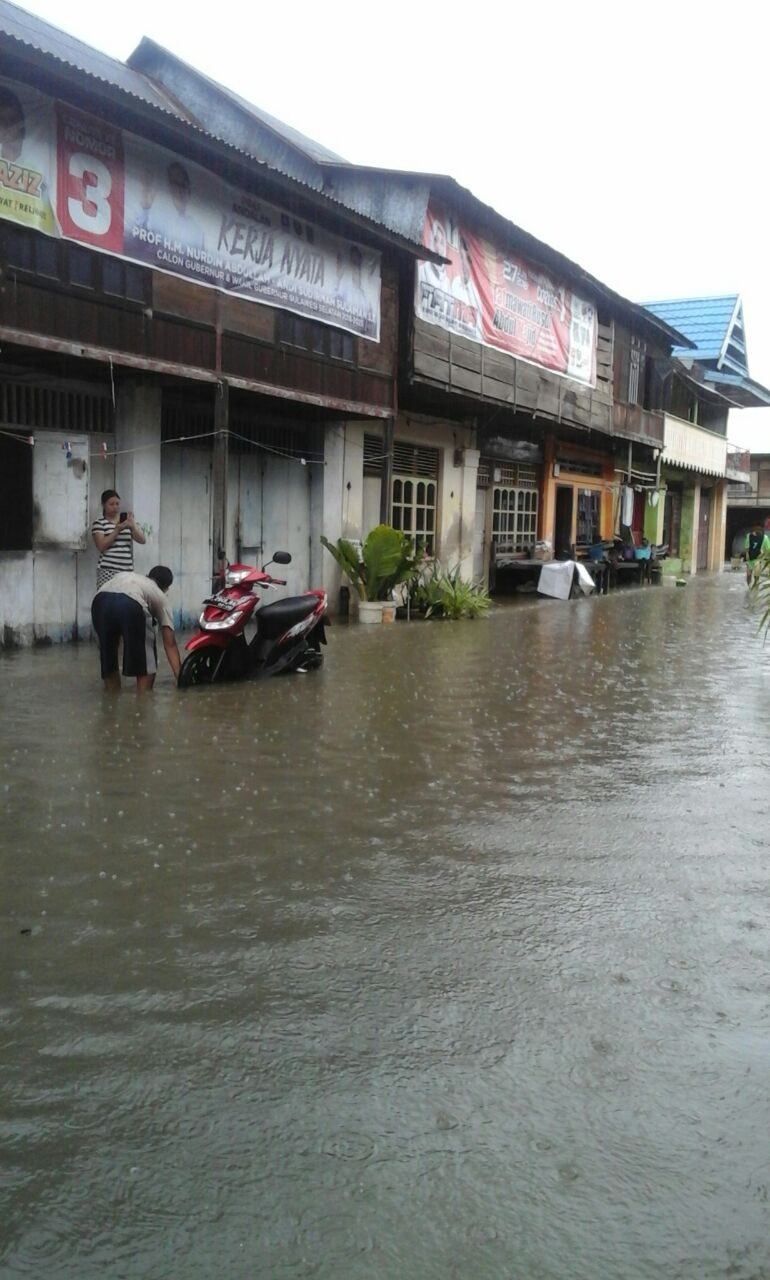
{"x":202,"y":666}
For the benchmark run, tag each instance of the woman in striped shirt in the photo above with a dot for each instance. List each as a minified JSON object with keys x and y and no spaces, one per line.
{"x":114,"y":539}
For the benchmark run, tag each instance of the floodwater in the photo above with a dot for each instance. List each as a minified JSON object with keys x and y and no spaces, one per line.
{"x":451,"y":960}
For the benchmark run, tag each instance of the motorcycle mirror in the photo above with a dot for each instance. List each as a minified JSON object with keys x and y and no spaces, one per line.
{"x":281,"y":557}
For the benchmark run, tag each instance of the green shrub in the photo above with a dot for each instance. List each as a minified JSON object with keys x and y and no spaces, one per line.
{"x":441,"y":593}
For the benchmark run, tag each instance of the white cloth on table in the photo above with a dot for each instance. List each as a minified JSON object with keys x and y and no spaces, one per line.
{"x":585,"y":581}
{"x":557,"y":576}
{"x":556,"y":579}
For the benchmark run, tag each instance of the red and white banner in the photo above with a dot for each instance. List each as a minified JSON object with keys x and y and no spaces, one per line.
{"x":70,"y":175}
{"x":501,"y":300}
{"x":90,"y":180}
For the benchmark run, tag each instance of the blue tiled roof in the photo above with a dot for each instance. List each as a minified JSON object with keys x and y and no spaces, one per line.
{"x":706,"y":321}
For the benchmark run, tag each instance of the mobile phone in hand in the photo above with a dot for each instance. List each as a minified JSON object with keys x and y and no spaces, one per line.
{"x":123,"y":516}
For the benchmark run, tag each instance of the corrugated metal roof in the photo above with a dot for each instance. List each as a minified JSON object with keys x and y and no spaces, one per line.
{"x":34,"y":34}
{"x":549,"y":257}
{"x":395,"y":199}
{"x":45,"y":38}
{"x":313,"y":150}
{"x":230,"y":118}
{"x":355,"y":188}
{"x":705,"y":321}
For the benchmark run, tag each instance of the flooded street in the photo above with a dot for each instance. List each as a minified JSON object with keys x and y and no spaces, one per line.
{"x":451,"y":960}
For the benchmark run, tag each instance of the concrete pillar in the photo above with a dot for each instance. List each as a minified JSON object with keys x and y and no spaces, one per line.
{"x":469,"y":461}
{"x":137,"y":464}
{"x":548,"y":503}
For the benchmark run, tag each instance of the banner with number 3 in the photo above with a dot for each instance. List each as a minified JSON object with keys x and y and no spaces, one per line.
{"x":90,"y":180}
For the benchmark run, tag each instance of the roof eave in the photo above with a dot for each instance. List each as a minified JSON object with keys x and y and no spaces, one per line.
{"x":552,"y":257}
{"x":33,"y":57}
{"x":744,"y":393}
{"x":537,"y":247}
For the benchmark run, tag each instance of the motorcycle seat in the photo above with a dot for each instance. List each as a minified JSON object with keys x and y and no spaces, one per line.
{"x":275,"y":618}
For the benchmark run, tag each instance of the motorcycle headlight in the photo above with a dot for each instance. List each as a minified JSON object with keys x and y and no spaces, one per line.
{"x":234,"y":576}
{"x":220,"y":624}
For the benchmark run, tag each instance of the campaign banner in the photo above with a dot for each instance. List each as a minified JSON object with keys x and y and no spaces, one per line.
{"x":501,"y":300}
{"x":69,"y":174}
{"x":27,"y":161}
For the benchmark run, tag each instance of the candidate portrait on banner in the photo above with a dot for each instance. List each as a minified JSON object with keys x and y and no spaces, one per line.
{"x":161,"y":212}
{"x":26,"y":161}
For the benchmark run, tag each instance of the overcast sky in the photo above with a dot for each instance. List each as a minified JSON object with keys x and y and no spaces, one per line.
{"x":633,"y":138}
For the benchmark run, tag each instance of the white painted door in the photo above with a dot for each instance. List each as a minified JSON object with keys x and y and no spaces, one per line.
{"x":185,"y":527}
{"x":268,"y":505}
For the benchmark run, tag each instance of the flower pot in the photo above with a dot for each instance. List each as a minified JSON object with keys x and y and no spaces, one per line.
{"x":370,"y":612}
{"x":388,"y":611}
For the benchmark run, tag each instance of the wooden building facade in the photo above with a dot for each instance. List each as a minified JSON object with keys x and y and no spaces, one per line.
{"x":218,"y":418}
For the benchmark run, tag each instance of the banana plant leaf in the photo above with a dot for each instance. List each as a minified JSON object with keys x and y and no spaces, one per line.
{"x":348,"y":559}
{"x":389,"y":558}
{"x":386,"y":559}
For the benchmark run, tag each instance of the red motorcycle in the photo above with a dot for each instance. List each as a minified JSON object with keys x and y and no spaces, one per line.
{"x":288,"y":637}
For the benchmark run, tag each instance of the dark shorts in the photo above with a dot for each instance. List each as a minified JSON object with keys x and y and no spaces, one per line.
{"x":117,"y":617}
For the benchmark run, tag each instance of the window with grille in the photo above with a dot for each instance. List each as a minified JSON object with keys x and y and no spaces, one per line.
{"x":414,"y":510}
{"x":415,"y":487}
{"x":636,"y":363}
{"x":514,"y":516}
{"x":514,"y":475}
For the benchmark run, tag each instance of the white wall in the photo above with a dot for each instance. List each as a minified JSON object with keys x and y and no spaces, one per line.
{"x":273,"y":503}
{"x":45,"y":595}
{"x":458,"y":468}
{"x":351,"y":500}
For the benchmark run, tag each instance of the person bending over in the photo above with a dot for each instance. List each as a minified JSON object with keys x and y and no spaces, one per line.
{"x":127,"y":608}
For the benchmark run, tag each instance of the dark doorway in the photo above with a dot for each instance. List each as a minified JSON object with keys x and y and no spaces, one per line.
{"x":588,"y":524}
{"x":15,"y":491}
{"x":562,"y":534}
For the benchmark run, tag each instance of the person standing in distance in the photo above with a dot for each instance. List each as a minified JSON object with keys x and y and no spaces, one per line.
{"x":757,"y":544}
{"x":114,"y":538}
{"x":126,"y":608}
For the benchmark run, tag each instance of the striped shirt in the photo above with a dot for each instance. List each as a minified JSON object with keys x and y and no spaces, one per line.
{"x":119,"y":558}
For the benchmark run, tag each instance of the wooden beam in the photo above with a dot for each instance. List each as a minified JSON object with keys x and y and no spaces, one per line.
{"x":167,"y":367}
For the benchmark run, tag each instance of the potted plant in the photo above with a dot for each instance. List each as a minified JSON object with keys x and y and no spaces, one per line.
{"x":386,"y":558}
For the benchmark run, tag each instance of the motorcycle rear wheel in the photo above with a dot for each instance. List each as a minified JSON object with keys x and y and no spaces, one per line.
{"x":199,"y":668}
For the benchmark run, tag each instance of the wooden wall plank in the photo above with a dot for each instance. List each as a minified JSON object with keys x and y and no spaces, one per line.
{"x":174,"y":297}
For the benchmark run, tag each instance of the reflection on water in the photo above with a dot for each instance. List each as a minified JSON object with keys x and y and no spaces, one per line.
{"x":448,"y":961}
